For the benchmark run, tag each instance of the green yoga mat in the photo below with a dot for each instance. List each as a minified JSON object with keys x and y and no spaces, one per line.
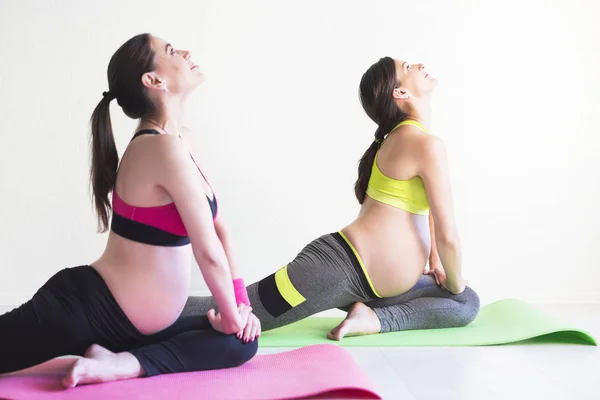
{"x":505,"y":321}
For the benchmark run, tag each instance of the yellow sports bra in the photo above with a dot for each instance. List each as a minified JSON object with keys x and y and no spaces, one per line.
{"x":407,"y":195}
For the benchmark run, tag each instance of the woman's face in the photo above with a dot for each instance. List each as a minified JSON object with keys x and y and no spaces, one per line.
{"x":414,"y":78}
{"x":174,"y":68}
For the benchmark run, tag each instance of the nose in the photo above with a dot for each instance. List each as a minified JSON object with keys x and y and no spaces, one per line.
{"x":186,"y":54}
{"x":421,"y":67}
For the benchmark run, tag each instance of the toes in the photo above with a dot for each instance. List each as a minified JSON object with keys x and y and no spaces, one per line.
{"x":332,"y":333}
{"x":336,"y":333}
{"x":67,"y":382}
{"x":97,"y":351}
{"x":71,"y":379}
{"x":90,"y":351}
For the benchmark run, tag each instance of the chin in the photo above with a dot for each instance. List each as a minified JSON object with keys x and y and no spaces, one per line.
{"x":198,"y":81}
{"x":433,"y":84}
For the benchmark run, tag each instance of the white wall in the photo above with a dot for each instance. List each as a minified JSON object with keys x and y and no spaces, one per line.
{"x":282,"y":127}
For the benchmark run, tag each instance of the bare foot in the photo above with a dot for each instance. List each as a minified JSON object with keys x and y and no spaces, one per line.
{"x":361,"y":320}
{"x":101,"y":365}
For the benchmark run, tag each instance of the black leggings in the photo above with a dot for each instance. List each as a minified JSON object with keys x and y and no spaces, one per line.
{"x":75,"y":309}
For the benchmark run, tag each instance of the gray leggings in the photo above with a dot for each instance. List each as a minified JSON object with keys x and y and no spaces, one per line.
{"x":326,"y":274}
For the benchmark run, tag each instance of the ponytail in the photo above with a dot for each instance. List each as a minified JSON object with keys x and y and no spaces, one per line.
{"x":105,"y":159}
{"x":125,"y":70}
{"x":376,"y":96}
{"x":365,"y":166}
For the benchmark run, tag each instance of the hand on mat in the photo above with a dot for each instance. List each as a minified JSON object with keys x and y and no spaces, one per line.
{"x":252,"y":329}
{"x":229,"y":325}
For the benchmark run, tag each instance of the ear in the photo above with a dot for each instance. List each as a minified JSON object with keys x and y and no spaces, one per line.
{"x":401,"y":94}
{"x":152,"y":81}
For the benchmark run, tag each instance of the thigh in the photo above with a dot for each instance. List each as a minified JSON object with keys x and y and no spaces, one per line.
{"x":195,"y":350}
{"x":425,"y":287}
{"x":198,"y":306}
{"x":321,"y":277}
{"x":49,"y":325}
{"x":184,"y":323}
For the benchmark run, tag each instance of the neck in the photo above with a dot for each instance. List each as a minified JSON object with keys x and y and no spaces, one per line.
{"x":421,"y":112}
{"x":168,"y":116}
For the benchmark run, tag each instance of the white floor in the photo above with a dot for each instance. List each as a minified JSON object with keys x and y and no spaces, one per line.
{"x":524,"y":371}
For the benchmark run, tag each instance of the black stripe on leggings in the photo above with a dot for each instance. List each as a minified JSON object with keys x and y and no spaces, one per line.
{"x":270,"y":297}
{"x":361,"y":274}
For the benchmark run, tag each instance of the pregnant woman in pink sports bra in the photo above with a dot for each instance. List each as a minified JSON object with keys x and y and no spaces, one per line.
{"x":122,"y":311}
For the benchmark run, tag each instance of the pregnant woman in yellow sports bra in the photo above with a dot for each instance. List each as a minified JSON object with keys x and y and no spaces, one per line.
{"x":376,"y":267}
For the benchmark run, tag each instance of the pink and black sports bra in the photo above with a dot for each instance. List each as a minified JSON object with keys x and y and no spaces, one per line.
{"x":158,"y":226}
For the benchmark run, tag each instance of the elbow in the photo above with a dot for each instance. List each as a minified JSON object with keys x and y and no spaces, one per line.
{"x":209,"y":253}
{"x":448,"y":240}
{"x":208,"y":260}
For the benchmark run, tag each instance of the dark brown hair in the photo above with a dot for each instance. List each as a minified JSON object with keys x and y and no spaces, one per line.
{"x":376,"y":96}
{"x":125,"y":70}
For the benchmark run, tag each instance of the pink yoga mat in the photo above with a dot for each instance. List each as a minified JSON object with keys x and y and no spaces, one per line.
{"x":321,"y":371}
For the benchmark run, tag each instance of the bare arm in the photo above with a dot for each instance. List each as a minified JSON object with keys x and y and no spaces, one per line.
{"x":435,"y":174}
{"x":223,"y":234}
{"x":220,"y":227}
{"x":434,"y":257}
{"x":241,"y":294}
{"x":179,"y":177}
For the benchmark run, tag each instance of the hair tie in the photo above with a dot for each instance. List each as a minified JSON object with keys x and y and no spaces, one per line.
{"x":108,"y":95}
{"x":378,"y":141}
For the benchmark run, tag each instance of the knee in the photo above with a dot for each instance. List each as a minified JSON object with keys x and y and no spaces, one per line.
{"x":239,"y":352}
{"x":469,"y":308}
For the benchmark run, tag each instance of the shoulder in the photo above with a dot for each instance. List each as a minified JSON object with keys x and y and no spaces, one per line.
{"x":432,"y":145}
{"x":421,"y":144}
{"x":432,"y":156}
{"x":427,"y":151}
{"x":165,"y":151}
{"x":418,"y":142}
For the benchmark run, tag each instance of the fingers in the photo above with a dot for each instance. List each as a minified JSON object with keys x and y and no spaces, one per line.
{"x":436,"y":276}
{"x":241,"y":308}
{"x":442,"y":281}
{"x":258,"y":328}
{"x":214,"y":319}
{"x":245,"y":313}
{"x":211,"y":315}
{"x":251,"y":331}
{"x":255,"y":332}
{"x":248,"y":331}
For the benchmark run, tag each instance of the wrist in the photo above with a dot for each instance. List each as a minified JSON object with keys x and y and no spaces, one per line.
{"x":435,"y":264}
{"x":454,"y":279}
